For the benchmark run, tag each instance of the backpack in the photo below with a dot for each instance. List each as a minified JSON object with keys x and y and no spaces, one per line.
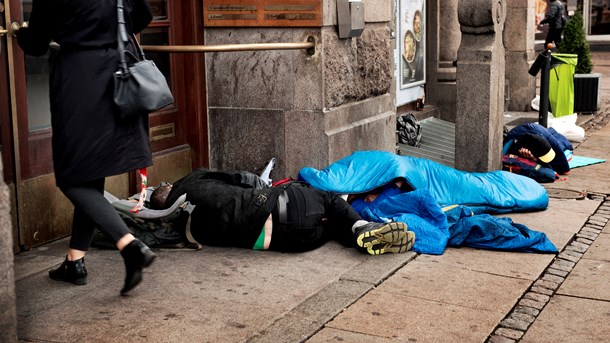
{"x":409,"y":130}
{"x":529,"y":168}
{"x":167,"y":228}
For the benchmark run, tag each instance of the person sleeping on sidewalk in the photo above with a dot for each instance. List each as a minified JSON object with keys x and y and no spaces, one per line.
{"x":530,"y":155}
{"x":237,"y":209}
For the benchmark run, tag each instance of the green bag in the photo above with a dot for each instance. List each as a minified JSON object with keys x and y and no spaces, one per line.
{"x":561,"y":84}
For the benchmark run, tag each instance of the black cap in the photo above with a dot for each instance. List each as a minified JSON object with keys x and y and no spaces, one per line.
{"x":538,"y":146}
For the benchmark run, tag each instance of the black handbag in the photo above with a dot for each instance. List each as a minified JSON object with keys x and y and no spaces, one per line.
{"x":139,"y":87}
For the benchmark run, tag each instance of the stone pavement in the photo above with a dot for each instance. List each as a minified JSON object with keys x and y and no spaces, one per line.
{"x":335,"y":294}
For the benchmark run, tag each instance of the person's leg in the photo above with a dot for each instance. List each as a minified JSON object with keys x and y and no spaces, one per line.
{"x":554,"y":36}
{"x":298,"y":220}
{"x":558,"y":37}
{"x":548,"y":39}
{"x":314,"y":216}
{"x":375,"y":238}
{"x":93,"y":210}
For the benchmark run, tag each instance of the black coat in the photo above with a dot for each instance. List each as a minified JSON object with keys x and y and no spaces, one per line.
{"x":555,"y":15}
{"x":89,"y":139}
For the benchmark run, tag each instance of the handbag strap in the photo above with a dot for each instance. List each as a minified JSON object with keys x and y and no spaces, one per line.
{"x":123,"y":38}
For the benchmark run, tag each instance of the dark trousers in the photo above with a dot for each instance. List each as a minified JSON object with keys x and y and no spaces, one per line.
{"x":553,"y":36}
{"x":312,"y":217}
{"x":230,"y":207}
{"x":92,"y":210}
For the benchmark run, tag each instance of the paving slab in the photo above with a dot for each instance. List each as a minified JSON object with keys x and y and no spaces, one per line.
{"x":593,"y":177}
{"x":40,"y":258}
{"x":426,"y":279}
{"x":211,"y":295}
{"x":568,"y":319}
{"x":600,"y":248}
{"x":409,"y":319}
{"x":216,"y":295}
{"x":606,"y":228}
{"x":526,"y":266}
{"x":330,"y":335}
{"x":590,"y":278}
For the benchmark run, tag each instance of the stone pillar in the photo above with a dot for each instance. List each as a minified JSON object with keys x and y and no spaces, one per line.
{"x":443,"y":40}
{"x":480,"y":86}
{"x":8,"y":311}
{"x":302,"y":110}
{"x":449,"y":31}
{"x":519,"y":44}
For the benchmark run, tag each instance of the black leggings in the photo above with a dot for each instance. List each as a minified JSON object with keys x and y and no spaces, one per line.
{"x":92,"y":210}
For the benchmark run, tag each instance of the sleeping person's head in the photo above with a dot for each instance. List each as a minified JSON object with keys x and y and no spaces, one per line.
{"x":158,"y":197}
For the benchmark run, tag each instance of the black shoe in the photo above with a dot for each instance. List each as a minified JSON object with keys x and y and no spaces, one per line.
{"x":71,"y":271}
{"x":136,"y":256}
{"x":381,"y":238}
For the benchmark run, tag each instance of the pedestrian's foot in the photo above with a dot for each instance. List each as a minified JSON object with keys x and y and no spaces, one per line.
{"x":381,"y":238}
{"x":136,"y":256}
{"x":71,"y":271}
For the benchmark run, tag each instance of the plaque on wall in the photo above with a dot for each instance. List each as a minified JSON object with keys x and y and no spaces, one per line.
{"x":262,"y":13}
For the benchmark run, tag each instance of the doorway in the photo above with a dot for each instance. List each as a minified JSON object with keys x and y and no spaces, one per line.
{"x":178,"y":133}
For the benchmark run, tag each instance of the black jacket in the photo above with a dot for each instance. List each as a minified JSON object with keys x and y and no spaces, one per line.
{"x":555,"y":15}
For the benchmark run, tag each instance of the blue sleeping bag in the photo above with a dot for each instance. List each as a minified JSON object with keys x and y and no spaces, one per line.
{"x":490,"y":192}
{"x":426,"y":211}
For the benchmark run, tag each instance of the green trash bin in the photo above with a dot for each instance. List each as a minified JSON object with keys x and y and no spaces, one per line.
{"x":561,"y":84}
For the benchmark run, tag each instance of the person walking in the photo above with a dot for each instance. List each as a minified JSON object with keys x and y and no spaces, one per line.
{"x":556,"y":20}
{"x":90,"y":141}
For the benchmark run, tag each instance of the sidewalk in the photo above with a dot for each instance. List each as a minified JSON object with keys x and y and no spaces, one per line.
{"x":336,"y":294}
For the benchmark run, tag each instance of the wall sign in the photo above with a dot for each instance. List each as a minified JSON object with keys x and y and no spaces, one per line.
{"x":410,"y":53}
{"x":412,"y":42}
{"x":262,"y":13}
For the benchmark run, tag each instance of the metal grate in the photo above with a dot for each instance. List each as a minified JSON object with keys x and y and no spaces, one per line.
{"x":437,"y":142}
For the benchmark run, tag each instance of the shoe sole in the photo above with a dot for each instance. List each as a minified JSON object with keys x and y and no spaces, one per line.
{"x":392,"y":237}
{"x":405,"y":245}
{"x":79,"y":282}
{"x":148,"y":260}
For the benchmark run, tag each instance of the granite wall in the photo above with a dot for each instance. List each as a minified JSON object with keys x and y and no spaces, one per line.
{"x":301,"y":110}
{"x":8,"y":311}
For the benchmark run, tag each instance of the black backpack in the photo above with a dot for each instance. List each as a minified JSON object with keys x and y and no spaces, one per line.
{"x":409,"y":130}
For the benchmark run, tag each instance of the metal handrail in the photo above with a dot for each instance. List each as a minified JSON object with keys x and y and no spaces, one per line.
{"x":309,"y":46}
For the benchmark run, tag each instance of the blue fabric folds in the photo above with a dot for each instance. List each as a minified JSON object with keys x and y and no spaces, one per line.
{"x":484,"y":231}
{"x":446,"y":206}
{"x":491,"y":192}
